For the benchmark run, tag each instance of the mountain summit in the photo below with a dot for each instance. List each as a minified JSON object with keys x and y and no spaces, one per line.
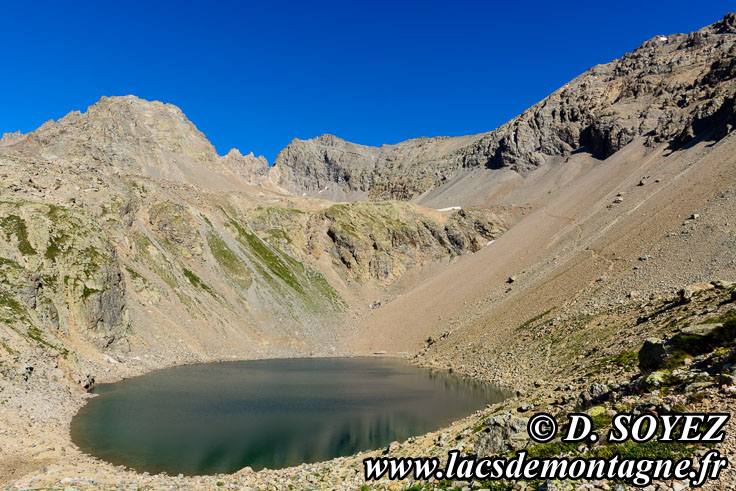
{"x":128,"y":134}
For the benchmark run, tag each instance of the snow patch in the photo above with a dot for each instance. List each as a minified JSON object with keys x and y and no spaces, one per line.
{"x":450,"y":208}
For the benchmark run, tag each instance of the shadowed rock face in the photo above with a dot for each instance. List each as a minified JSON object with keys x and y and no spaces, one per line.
{"x":670,"y":89}
{"x":381,"y":241}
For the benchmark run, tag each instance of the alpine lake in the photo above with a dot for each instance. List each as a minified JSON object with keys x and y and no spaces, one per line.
{"x":220,"y":417}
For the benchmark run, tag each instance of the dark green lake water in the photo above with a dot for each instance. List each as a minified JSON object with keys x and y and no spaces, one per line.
{"x":221,"y":417}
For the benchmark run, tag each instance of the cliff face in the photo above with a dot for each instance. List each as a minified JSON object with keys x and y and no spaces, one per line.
{"x":386,"y":172}
{"x":61,"y":276}
{"x":670,"y":89}
{"x":376,"y":242}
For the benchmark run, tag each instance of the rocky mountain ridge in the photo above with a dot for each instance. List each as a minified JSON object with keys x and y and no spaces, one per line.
{"x":672,"y":88}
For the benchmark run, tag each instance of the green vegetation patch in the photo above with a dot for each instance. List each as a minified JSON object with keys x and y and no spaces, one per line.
{"x":133,"y":273}
{"x":279,"y":269}
{"x":35,"y":334}
{"x":688,"y":345}
{"x":207,"y":220}
{"x":652,"y":449}
{"x":10,"y":308}
{"x":535,"y":319}
{"x":626,"y":359}
{"x":87,"y":292}
{"x":56,"y":246}
{"x":15,"y":225}
{"x":197,"y":282}
{"x":9,"y":263}
{"x":551,"y":449}
{"x":7,"y":348}
{"x":273,"y":261}
{"x":601,"y":420}
{"x":233,"y":266}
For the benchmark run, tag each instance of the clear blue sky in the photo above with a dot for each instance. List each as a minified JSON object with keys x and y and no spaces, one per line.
{"x":254,"y":75}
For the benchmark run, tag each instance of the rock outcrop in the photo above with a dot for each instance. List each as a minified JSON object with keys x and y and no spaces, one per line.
{"x":328,"y":163}
{"x":61,"y":277}
{"x":10,"y":138}
{"x":502,"y":433}
{"x":380,"y":242}
{"x":689,"y":341}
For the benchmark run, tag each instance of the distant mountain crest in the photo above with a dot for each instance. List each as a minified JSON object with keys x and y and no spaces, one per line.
{"x":670,"y":89}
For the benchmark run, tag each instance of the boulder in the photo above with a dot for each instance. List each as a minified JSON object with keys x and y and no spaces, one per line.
{"x":723,"y":284}
{"x":727,"y":379}
{"x":502,"y":433}
{"x":702,"y":330}
{"x":691,"y":343}
{"x":687,"y":293}
{"x":652,"y":354}
{"x":655,"y":379}
{"x":595,"y":394}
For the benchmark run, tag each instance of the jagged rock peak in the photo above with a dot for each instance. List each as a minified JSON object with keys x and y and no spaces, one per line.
{"x":325,"y":139}
{"x":11,"y":138}
{"x":248,"y":166}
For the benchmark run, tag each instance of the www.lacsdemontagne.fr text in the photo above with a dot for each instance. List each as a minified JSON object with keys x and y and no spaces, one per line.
{"x":640,"y":471}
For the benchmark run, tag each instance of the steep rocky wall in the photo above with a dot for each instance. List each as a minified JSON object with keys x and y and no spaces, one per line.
{"x":61,"y":274}
{"x":376,"y":241}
